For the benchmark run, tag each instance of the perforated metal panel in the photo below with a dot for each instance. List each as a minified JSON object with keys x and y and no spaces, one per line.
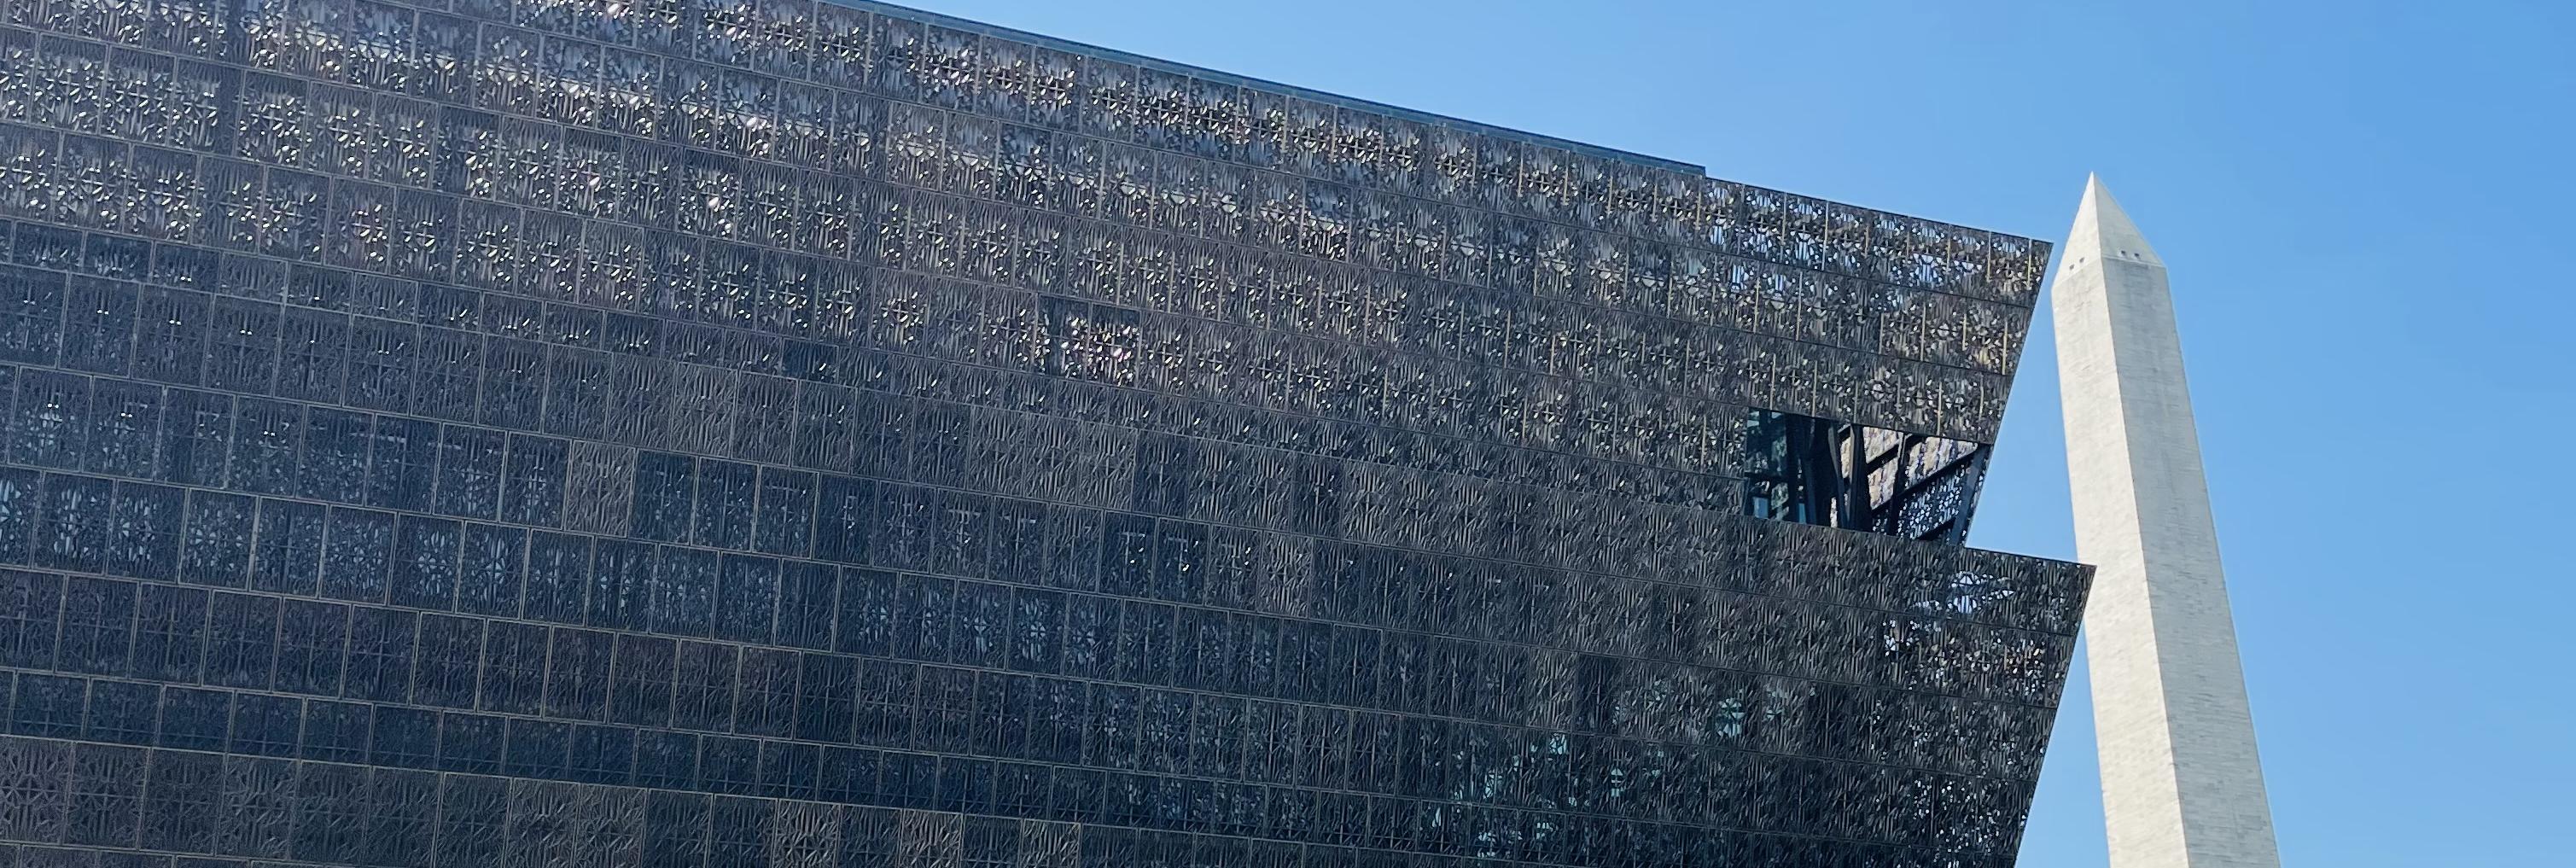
{"x":708,"y":434}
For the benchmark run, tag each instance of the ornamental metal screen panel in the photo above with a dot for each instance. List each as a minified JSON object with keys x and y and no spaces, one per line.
{"x":696,"y":433}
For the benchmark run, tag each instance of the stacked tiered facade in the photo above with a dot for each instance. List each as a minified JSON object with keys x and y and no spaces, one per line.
{"x":768,"y":433}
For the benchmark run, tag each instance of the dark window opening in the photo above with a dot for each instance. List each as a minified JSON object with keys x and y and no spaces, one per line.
{"x":1839,"y":474}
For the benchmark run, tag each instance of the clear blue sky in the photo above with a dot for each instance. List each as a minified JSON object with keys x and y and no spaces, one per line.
{"x":2366,"y":207}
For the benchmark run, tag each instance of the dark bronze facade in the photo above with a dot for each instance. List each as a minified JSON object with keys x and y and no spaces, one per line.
{"x":699,"y":434}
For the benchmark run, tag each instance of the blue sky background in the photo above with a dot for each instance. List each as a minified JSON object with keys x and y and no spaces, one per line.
{"x":2366,"y":209}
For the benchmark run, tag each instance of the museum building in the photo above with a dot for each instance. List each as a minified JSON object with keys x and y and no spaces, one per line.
{"x":695,"y":434}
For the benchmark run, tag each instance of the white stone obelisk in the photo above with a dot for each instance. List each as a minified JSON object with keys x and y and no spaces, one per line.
{"x":2181,"y":786}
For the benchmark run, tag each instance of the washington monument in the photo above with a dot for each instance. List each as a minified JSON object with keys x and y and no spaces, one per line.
{"x":2181,"y":785}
